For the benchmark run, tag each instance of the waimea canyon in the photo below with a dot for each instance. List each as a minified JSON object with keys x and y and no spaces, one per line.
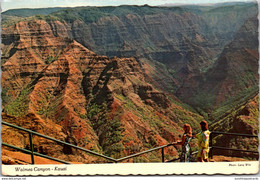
{"x":119,"y":80}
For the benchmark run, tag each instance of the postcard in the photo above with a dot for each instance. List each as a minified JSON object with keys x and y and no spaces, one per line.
{"x":136,"y":87}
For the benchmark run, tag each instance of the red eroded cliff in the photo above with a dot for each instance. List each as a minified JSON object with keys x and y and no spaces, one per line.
{"x":56,"y":86}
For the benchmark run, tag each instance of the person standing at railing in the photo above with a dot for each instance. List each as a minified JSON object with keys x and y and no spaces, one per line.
{"x":203,"y":142}
{"x":185,"y":142}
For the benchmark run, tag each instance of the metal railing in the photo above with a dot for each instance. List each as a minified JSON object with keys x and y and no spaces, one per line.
{"x":214,"y":133}
{"x":144,"y":152}
{"x":32,"y":152}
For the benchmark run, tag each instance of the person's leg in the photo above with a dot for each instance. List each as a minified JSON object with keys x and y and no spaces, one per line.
{"x":206,"y":160}
{"x":200,"y":159}
{"x":206,"y":157}
{"x":199,"y":155}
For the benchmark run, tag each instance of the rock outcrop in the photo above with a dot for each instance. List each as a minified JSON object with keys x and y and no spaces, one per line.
{"x":243,"y":120}
{"x":56,"y":86}
{"x":234,"y":77}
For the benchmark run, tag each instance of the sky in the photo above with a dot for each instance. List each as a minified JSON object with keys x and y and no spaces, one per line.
{"x":16,"y":4}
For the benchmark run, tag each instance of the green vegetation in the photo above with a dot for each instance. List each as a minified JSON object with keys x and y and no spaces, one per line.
{"x":183,"y":105}
{"x":233,"y":103}
{"x":211,"y":63}
{"x":242,"y":119}
{"x":47,"y":18}
{"x":186,"y":117}
{"x":143,"y":112}
{"x":157,"y":123}
{"x":230,"y":118}
{"x":26,"y":12}
{"x":162,"y":69}
{"x":47,"y":105}
{"x":242,"y":143}
{"x":150,"y":157}
{"x":20,"y":105}
{"x":87,"y":14}
{"x":10,"y":20}
{"x":51,"y":59}
{"x":204,"y":101}
{"x":108,"y":130}
{"x":6,"y":98}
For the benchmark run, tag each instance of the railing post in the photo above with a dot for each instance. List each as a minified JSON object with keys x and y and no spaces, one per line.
{"x":162,"y":154}
{"x":31,"y":147}
{"x":210,"y":145}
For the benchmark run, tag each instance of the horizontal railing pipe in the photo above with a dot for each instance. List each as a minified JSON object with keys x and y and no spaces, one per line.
{"x":61,"y":142}
{"x":109,"y":158}
{"x":15,"y":147}
{"x":231,"y":149}
{"x":234,"y":134}
{"x":143,"y":152}
{"x":241,"y":150}
{"x":35,"y":153}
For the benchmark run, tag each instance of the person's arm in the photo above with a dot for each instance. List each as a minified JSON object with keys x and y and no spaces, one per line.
{"x":182,"y":140}
{"x":196,"y":135}
{"x":179,"y":142}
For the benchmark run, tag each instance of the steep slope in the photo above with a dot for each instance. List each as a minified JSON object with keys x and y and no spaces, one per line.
{"x":243,"y":120}
{"x":95,"y":102}
{"x":174,"y":45}
{"x":234,"y":77}
{"x":186,"y":39}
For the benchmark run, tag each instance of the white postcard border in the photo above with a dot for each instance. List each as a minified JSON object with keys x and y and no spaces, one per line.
{"x":210,"y":168}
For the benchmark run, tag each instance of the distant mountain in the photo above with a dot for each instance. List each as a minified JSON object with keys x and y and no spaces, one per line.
{"x":12,"y":16}
{"x":234,"y":77}
{"x":186,"y":40}
{"x":207,"y":4}
{"x":26,"y":12}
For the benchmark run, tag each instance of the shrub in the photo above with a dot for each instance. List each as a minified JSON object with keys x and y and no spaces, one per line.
{"x":109,"y":131}
{"x":20,"y":105}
